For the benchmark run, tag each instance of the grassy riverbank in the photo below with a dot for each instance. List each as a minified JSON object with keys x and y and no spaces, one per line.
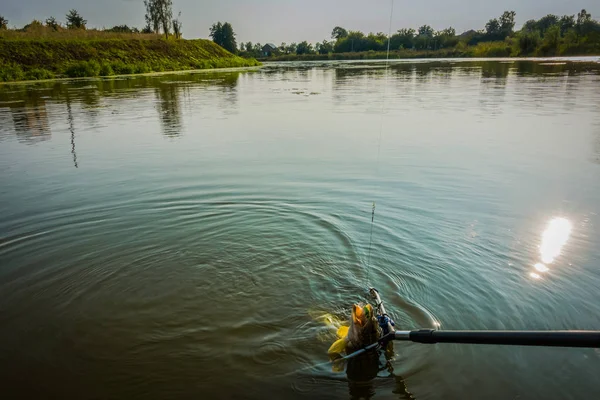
{"x":33,"y":59}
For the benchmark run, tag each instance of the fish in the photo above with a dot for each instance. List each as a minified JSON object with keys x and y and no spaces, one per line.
{"x":362,"y":332}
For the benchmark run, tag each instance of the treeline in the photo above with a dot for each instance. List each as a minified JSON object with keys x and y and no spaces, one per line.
{"x":159,"y":20}
{"x":548,"y":36}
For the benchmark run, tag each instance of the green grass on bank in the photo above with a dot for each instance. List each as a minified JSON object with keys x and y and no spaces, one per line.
{"x":34,"y":59}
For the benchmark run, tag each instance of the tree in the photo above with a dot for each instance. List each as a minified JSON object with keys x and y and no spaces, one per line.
{"x":159,"y":14}
{"x":304,"y":48}
{"x":529,"y":26}
{"x":551,"y":40}
{"x":546,"y":23}
{"x":339,"y":33}
{"x":325,"y":47}
{"x":291,"y":49}
{"x":528,"y":42}
{"x":507,"y":23}
{"x":425,"y":30}
{"x":403,"y":39}
{"x":566,"y":22}
{"x":147,"y":29}
{"x":75,"y":21}
{"x":282,"y":47}
{"x":249,"y":46}
{"x":51,"y":22}
{"x":165,"y":13}
{"x":224,"y":36}
{"x":492,"y":28}
{"x":229,"y":38}
{"x":3,"y":22}
{"x":216,"y":33}
{"x":583,"y":17}
{"x":152,"y":15}
{"x":177,"y":26}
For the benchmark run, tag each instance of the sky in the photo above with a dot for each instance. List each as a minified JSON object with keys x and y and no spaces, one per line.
{"x":277,"y":21}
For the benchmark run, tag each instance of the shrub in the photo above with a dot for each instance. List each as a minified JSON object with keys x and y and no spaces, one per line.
{"x":83,"y":69}
{"x":11,"y":73}
{"x":106,"y":69}
{"x":121,"y":68}
{"x":38,"y":74}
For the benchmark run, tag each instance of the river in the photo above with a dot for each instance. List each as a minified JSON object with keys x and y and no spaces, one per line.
{"x":193,"y":235}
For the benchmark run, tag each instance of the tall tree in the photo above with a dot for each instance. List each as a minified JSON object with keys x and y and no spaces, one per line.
{"x":216,"y":33}
{"x":229,"y":42}
{"x":492,"y":27}
{"x":339,"y":33}
{"x":507,"y":22}
{"x":152,"y":15}
{"x":583,"y":16}
{"x":75,"y":21}
{"x":566,"y":22}
{"x":3,"y":22}
{"x":546,"y":22}
{"x":166,"y":15}
{"x":426,"y":30}
{"x":224,"y":36}
{"x":159,"y":14}
{"x":177,"y":25}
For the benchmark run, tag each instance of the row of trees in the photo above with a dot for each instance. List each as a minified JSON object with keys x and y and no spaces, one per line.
{"x":159,"y":18}
{"x":74,"y":21}
{"x":581,"y":28}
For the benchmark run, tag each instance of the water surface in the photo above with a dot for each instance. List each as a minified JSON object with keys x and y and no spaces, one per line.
{"x":183,"y":236}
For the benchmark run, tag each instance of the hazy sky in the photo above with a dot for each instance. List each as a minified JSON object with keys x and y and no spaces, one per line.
{"x":296,"y":20}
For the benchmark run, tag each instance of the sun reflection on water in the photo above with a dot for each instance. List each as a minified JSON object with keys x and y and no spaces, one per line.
{"x":553,"y":239}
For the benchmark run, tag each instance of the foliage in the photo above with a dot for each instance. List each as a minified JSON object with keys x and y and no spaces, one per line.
{"x":550,"y":35}
{"x":37,"y":74}
{"x":42,"y":59}
{"x":123,"y":29}
{"x":223,"y":35}
{"x":75,"y":21}
{"x":339,"y":33}
{"x":3,"y":22}
{"x":52,"y":23}
{"x":177,"y":26}
{"x":305,"y":48}
{"x":528,"y":42}
{"x":159,"y":14}
{"x":324,"y":48}
{"x":152,"y":16}
{"x":11,"y":72}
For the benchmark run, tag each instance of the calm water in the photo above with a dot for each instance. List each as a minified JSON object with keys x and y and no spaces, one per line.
{"x":187,"y":236}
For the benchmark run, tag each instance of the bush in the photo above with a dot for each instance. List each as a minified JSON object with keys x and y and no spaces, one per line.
{"x":106,"y":69}
{"x":38,"y":74}
{"x":142,"y":68}
{"x":528,"y":42}
{"x":11,"y":73}
{"x":121,"y":68}
{"x":83,"y":69}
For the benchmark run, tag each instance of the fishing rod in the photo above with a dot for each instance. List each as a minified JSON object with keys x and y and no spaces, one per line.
{"x":575,"y":338}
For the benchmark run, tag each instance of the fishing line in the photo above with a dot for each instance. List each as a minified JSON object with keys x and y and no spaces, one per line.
{"x":383,"y":102}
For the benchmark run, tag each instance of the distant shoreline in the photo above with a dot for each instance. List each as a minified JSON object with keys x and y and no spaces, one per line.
{"x":408,"y":55}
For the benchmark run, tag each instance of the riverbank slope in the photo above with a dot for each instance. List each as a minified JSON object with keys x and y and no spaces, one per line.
{"x":32,"y":59}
